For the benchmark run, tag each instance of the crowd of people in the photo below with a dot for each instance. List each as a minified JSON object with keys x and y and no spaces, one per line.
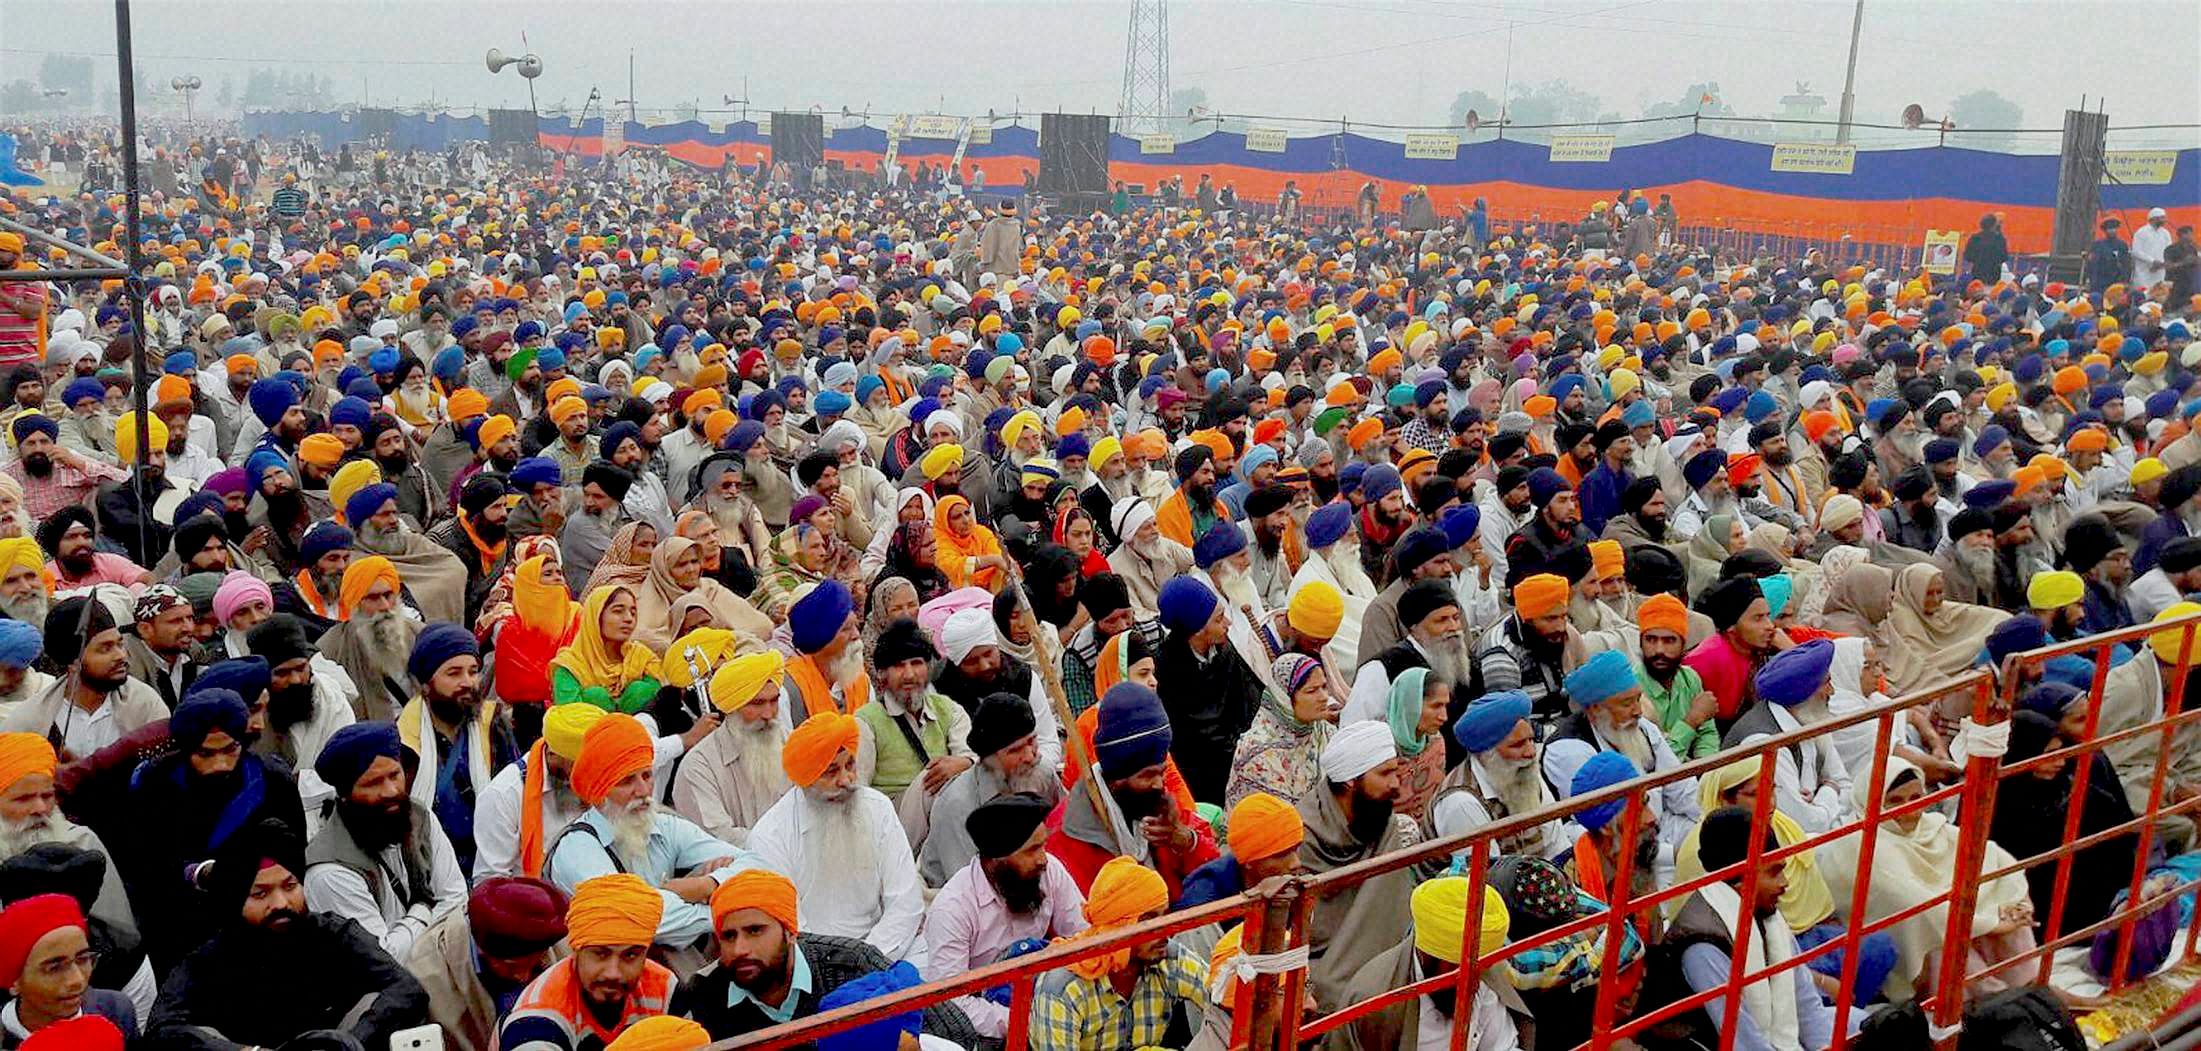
{"x":578,"y":613}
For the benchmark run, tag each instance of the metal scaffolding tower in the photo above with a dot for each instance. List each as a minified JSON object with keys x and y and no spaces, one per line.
{"x":1145,"y":101}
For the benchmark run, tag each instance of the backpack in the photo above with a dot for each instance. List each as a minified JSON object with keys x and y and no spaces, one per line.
{"x":2027,"y":1018}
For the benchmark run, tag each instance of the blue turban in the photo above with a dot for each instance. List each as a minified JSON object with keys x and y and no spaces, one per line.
{"x":550,"y":358}
{"x":1328,"y":523}
{"x":534,"y":471}
{"x":1418,"y":547}
{"x":882,"y":1032}
{"x":242,"y":676}
{"x":449,"y":362}
{"x":1990,"y":494}
{"x":352,"y":374}
{"x":832,"y":403}
{"x":1427,"y":391}
{"x":322,"y":538}
{"x":1216,"y":378}
{"x":1604,"y":770}
{"x":1350,"y":476}
{"x":1379,"y":481}
{"x":34,"y":423}
{"x":1639,"y":414}
{"x":82,"y":388}
{"x":352,"y":411}
{"x":790,"y":384}
{"x":2030,"y":367}
{"x":1076,"y":445}
{"x":1941,"y":450}
{"x":204,"y":711}
{"x":1993,"y":435}
{"x":351,"y":750}
{"x":1601,"y":678}
{"x":1565,"y":385}
{"x":1186,"y":604}
{"x":817,"y":617}
{"x":367,"y":501}
{"x":439,"y":644}
{"x":466,"y":324}
{"x":179,"y":363}
{"x":1133,"y":731}
{"x":2017,"y":634}
{"x":2162,"y":403}
{"x":20,"y":644}
{"x":974,"y":363}
{"x":270,"y":399}
{"x":618,"y":434}
{"x":1796,"y":674}
{"x":381,"y":361}
{"x":1544,"y":484}
{"x":1222,"y":540}
{"x":743,"y":436}
{"x":1703,"y":467}
{"x":1728,"y":399}
{"x":1490,"y":720}
{"x":865,"y":386}
{"x":1459,"y":524}
{"x":1760,"y":406}
{"x":1778,"y":589}
{"x":2051,"y":698}
{"x":260,"y":463}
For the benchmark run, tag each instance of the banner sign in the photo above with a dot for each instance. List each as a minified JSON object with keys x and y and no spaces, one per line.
{"x":2139,"y":167}
{"x":1941,"y":251}
{"x":932,"y":126}
{"x":1433,"y":147}
{"x":1160,"y":142}
{"x":1823,"y":158}
{"x":1581,"y":149}
{"x":1265,"y":140}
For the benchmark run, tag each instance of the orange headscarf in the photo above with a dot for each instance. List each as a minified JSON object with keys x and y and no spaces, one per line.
{"x":613,"y":750}
{"x":813,"y":745}
{"x":954,"y":551}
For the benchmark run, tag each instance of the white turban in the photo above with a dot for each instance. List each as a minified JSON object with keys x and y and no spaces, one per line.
{"x":841,"y":432}
{"x":1357,"y":748}
{"x":1840,"y":511}
{"x":944,"y":418}
{"x":1129,"y":516}
{"x":1814,"y":392}
{"x":966,"y":630}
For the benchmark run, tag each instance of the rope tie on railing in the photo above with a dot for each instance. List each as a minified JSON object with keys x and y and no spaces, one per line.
{"x":1938,"y":1033}
{"x":1989,"y":741}
{"x":1245,"y":967}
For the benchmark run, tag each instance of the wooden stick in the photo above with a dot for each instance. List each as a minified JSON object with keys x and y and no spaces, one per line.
{"x":1051,"y":677}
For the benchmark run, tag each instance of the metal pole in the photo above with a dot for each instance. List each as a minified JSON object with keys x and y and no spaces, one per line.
{"x":1849,"y":79}
{"x":133,"y":286}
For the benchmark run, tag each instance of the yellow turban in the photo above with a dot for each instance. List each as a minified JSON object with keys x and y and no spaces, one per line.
{"x":1122,"y":891}
{"x":24,"y":754}
{"x":1263,"y":826}
{"x":2169,"y":642}
{"x":613,"y":911}
{"x":350,"y":479}
{"x":1104,"y":450}
{"x":1623,"y":382}
{"x":126,"y":436}
{"x":939,"y":460}
{"x":698,"y":653}
{"x":24,"y":551}
{"x":661,"y":1032}
{"x":1316,"y":610}
{"x":1017,"y":425}
{"x":812,"y":747}
{"x":564,"y":726}
{"x":738,"y":683}
{"x":1440,"y":919}
{"x":2054,"y":589}
{"x":2148,"y":470}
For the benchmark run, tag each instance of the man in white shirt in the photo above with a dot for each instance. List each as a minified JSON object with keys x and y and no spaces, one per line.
{"x":1810,"y":783}
{"x":382,"y":859}
{"x":2149,"y":242}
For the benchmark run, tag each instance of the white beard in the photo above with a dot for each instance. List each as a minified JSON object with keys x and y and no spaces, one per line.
{"x":377,"y":540}
{"x":760,"y":756}
{"x":1236,"y":587}
{"x":837,"y":837}
{"x":385,"y":638}
{"x":845,"y":668}
{"x":1150,"y":550}
{"x":1447,"y":658}
{"x":16,"y":838}
{"x":1518,"y":785}
{"x":1810,"y":712}
{"x":1629,"y":742}
{"x":1119,"y":487}
{"x":1344,"y":563}
{"x":1977,"y":561}
{"x":30,"y":607}
{"x":630,"y":831}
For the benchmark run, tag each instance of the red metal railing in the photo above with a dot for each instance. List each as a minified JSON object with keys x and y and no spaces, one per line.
{"x":1277,"y":914}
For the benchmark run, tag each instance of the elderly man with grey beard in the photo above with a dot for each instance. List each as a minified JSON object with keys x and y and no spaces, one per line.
{"x":1145,"y":559}
{"x":1502,"y":777}
{"x":1003,"y":736}
{"x":1607,"y":714}
{"x":25,"y":593}
{"x":20,"y":647}
{"x":1810,"y":782}
{"x":36,"y":838}
{"x":624,"y":831}
{"x":1436,"y":639}
{"x":374,"y":642}
{"x":732,"y":776}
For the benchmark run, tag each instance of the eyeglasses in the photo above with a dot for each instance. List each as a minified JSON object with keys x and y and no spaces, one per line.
{"x":55,"y":968}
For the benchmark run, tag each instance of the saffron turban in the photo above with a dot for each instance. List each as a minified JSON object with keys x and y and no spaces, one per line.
{"x":1606,"y":558}
{"x":1123,"y":891}
{"x":737,"y":684}
{"x":812,"y":747}
{"x":661,"y":1032}
{"x":321,"y":450}
{"x":566,"y":726}
{"x":1541,"y":595}
{"x":350,"y":479}
{"x":467,"y":404}
{"x":495,"y":429}
{"x":1663,"y":612}
{"x":614,"y":749}
{"x":1316,"y":610}
{"x":760,"y":889}
{"x":362,"y":574}
{"x":1263,"y":826}
{"x":612,"y":911}
{"x":1440,"y":919}
{"x":1356,"y":749}
{"x":24,"y":754}
{"x":25,"y":922}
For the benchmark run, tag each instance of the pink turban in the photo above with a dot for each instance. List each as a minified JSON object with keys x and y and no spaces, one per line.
{"x":239,"y":589}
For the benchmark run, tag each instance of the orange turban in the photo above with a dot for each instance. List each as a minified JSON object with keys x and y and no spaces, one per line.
{"x":564,"y":387}
{"x":761,"y":889}
{"x":1263,"y":826}
{"x":613,"y":910}
{"x":1365,"y":431}
{"x":702,"y":401}
{"x":1818,"y":422}
{"x":661,"y":1032}
{"x":496,"y":429}
{"x":614,"y":749}
{"x":467,"y":404}
{"x":360,"y":577}
{"x":1607,"y":559}
{"x":1541,"y":595}
{"x":566,"y":408}
{"x":717,"y":424}
{"x":1148,"y":444}
{"x":1122,"y":891}
{"x":1217,"y":443}
{"x":1416,"y":463}
{"x":321,"y":450}
{"x":2052,"y":469}
{"x":813,"y":745}
{"x":1388,"y":359}
{"x":24,"y":754}
{"x":1540,"y":406}
{"x":1268,"y":430}
{"x":2088,"y":440}
{"x":2069,"y":379}
{"x":1663,"y":612}
{"x":2028,"y":478}
{"x":710,"y":376}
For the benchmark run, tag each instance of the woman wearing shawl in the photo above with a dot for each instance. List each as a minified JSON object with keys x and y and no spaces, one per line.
{"x":1930,"y":638}
{"x":626,"y":562}
{"x":800,"y":557}
{"x":1415,"y":711}
{"x":676,"y":574}
{"x":1859,"y":675}
{"x":1859,"y":594}
{"x":604,"y":666}
{"x":892,"y":598}
{"x":843,"y":562}
{"x":731,"y":573}
{"x":969,"y":553}
{"x":1809,"y":596}
{"x":1074,"y":533}
{"x":1807,"y":905}
{"x":1721,"y":536}
{"x":913,"y":556}
{"x":742,"y":533}
{"x":1051,"y":579}
{"x":544,"y":621}
{"x":1280,"y":753}
{"x":1913,"y":860}
{"x":497,"y":608}
{"x":2099,"y":872}
{"x":911,"y":506}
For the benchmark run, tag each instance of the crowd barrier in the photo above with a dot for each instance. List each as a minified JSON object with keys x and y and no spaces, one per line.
{"x":1755,"y":187}
{"x":1277,"y":914}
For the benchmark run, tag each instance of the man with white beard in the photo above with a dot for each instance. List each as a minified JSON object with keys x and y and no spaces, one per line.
{"x":624,"y":831}
{"x":826,"y":674}
{"x":374,"y":642}
{"x":1145,"y":559}
{"x":1435,"y":639}
{"x":1810,"y":783}
{"x":1502,"y":777}
{"x":26,"y":589}
{"x":731,"y":777}
{"x":20,"y":646}
{"x":1004,"y":737}
{"x":1223,"y":561}
{"x":30,"y":816}
{"x":1112,"y":483}
{"x":1607,"y":715}
{"x":842,"y":845}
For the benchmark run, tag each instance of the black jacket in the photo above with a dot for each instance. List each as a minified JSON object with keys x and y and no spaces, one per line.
{"x":1209,"y":704}
{"x":834,"y":962}
{"x":249,"y":987}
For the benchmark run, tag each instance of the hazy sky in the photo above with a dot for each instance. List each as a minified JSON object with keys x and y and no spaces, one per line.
{"x":1396,"y":61}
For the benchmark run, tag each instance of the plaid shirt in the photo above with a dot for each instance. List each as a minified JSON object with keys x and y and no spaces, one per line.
{"x":1072,"y":1014}
{"x":1083,"y":653}
{"x":66,"y":486}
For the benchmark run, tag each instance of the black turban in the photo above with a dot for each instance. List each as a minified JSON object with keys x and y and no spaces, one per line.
{"x":1724,"y":838}
{"x":2182,"y":555}
{"x":1103,"y":594}
{"x":72,"y":621}
{"x":613,"y":479}
{"x":54,"y":868}
{"x":1968,"y":521}
{"x":1655,"y":570}
{"x":485,"y":488}
{"x":1612,"y":431}
{"x":1003,"y":825}
{"x":240,"y":860}
{"x":1638,"y":493}
{"x":51,"y":530}
{"x":279,"y":638}
{"x":1751,"y":563}
{"x":1728,"y":599}
{"x":1191,"y":458}
{"x":998,"y":721}
{"x":1425,"y":597}
{"x":902,"y":641}
{"x":1914,"y":483}
{"x":1268,"y":500}
{"x":192,"y":535}
{"x":2088,"y":540}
